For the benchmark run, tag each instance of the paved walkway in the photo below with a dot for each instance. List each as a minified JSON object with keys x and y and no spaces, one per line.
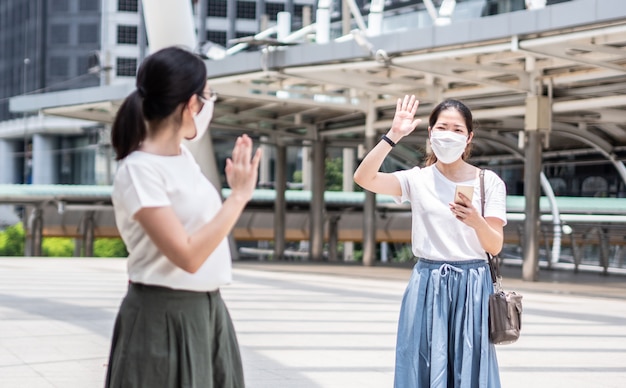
{"x":303,"y":325}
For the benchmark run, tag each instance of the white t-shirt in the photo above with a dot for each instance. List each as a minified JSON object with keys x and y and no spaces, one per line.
{"x":436,"y":234}
{"x":149,"y":180}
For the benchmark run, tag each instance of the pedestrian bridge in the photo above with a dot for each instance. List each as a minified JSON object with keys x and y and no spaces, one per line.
{"x":591,"y":227}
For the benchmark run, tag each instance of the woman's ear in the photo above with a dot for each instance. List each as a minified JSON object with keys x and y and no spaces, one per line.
{"x":470,"y":137}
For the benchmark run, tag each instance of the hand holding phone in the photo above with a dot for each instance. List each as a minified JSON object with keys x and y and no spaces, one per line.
{"x":468,"y":191}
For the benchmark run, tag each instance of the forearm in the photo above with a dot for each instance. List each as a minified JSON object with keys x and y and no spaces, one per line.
{"x":204,"y":241}
{"x":368,"y":169}
{"x":189,"y":251}
{"x":490,"y":238}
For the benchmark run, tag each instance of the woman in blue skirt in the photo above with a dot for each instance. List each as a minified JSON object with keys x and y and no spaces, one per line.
{"x":173,"y":329}
{"x":443,"y":338}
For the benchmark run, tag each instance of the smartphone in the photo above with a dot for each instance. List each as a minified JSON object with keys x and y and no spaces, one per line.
{"x":468,"y":191}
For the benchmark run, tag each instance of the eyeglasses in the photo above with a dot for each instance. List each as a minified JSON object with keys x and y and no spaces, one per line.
{"x":212,"y":96}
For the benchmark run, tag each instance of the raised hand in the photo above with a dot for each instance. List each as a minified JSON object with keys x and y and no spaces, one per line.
{"x":404,"y":121}
{"x":242,"y":169}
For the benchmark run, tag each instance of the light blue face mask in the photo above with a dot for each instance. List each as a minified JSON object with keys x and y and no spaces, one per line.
{"x":447,"y":146}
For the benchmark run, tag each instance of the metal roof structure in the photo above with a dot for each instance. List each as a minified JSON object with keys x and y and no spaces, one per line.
{"x":572,"y":52}
{"x":343,"y":93}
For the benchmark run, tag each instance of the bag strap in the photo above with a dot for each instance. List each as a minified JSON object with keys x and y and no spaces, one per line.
{"x":493,"y":262}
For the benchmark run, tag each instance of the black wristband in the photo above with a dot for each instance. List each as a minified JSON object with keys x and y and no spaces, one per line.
{"x":388,"y":140}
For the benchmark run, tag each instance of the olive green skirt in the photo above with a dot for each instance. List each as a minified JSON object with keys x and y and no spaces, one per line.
{"x":173,"y":339}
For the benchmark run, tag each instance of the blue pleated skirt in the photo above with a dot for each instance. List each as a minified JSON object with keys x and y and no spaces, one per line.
{"x":443,"y":337}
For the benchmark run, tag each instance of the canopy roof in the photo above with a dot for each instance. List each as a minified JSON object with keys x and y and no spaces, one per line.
{"x":572,"y":52}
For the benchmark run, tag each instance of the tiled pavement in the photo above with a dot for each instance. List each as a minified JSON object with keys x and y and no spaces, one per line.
{"x":304,"y":325}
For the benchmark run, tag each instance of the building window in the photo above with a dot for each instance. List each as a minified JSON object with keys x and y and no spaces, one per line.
{"x":88,"y":33}
{"x":271,"y":9}
{"x":218,"y":37}
{"x":298,"y":11}
{"x":127,"y":5}
{"x":217,"y":9}
{"x":59,"y":66}
{"x":82,"y":65}
{"x":59,"y":34}
{"x":243,"y":34}
{"x":246,"y":10}
{"x":126,"y":34}
{"x":126,"y":67}
{"x":60,"y":6}
{"x":88,"y":5}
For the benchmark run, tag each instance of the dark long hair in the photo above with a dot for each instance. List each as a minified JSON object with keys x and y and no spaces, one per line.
{"x":165,"y":80}
{"x":467,"y":117}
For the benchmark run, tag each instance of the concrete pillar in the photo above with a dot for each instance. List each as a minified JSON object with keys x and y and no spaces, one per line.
{"x":177,"y":16}
{"x":537,"y":122}
{"x":34,"y":233}
{"x":8,"y":161}
{"x":346,"y":18}
{"x":333,"y":233}
{"x":306,"y":165}
{"x":348,"y":186}
{"x":104,"y":159}
{"x":605,"y":248}
{"x":369,"y":207}
{"x":375,"y":18}
{"x":265,"y":175}
{"x":322,"y":17}
{"x":88,"y":233}
{"x":384,"y":252}
{"x":45,"y":161}
{"x":280,"y":209}
{"x":231,"y":17}
{"x":283,"y":21}
{"x":261,"y":17}
{"x":142,"y":36}
{"x":201,"y":15}
{"x":317,"y":210}
{"x":78,"y":247}
{"x":203,"y":152}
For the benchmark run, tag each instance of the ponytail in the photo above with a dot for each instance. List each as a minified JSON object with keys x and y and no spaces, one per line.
{"x":129,"y":128}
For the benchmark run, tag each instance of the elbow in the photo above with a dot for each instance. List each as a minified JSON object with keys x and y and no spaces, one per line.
{"x":358,"y":178}
{"x":188,"y":263}
{"x":191,"y":269}
{"x":496,"y":249}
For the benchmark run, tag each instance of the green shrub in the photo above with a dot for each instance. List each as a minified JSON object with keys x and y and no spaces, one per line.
{"x":57,"y":247}
{"x":404,"y":254}
{"x":12,"y":241}
{"x":109,"y":247}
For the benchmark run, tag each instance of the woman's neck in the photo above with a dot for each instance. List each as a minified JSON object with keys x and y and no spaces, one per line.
{"x":166,"y":143}
{"x":459,"y":171}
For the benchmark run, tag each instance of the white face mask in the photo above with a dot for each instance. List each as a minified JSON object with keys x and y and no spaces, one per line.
{"x":202,"y":119}
{"x":447,"y":146}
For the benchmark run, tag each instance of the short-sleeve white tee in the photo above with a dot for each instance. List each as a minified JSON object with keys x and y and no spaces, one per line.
{"x":148,"y":180}
{"x":436,"y":234}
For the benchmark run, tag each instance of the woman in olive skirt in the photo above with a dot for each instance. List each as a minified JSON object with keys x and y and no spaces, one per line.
{"x":173,"y":329}
{"x":443,"y":338}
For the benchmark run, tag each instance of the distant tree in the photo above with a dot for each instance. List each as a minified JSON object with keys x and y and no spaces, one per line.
{"x":12,"y":241}
{"x":297,"y":176}
{"x":57,"y":247}
{"x":333,"y":176}
{"x":109,"y":247}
